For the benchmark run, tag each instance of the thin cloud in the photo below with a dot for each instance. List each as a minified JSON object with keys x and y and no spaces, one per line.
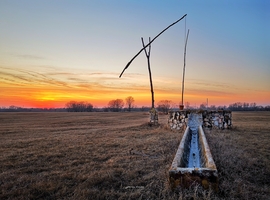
{"x":210,"y":92}
{"x":26,"y":77}
{"x":209,"y":83}
{"x":28,"y":56}
{"x":15,"y":77}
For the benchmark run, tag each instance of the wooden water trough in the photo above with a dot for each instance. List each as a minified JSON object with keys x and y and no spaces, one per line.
{"x":193,"y":162}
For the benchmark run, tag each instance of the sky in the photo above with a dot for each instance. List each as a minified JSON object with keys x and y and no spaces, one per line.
{"x":56,"y":51}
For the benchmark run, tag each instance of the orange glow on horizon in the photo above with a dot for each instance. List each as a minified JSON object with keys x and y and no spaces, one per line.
{"x":46,"y":98}
{"x":46,"y":92}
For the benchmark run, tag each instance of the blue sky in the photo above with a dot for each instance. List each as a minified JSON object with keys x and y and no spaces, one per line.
{"x":90,"y":42}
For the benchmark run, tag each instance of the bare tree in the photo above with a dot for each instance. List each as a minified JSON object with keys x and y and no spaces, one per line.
{"x":130,"y":102}
{"x":111,"y":105}
{"x":164,"y":106}
{"x":203,"y":106}
{"x":187,"y":105}
{"x":74,"y":106}
{"x":213,"y":107}
{"x":253,"y":105}
{"x":116,"y":105}
{"x":89,"y":107}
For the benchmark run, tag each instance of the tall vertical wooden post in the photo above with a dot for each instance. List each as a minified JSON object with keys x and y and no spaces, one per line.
{"x":153,"y":111}
{"x":184,"y":68}
{"x":149,"y":70}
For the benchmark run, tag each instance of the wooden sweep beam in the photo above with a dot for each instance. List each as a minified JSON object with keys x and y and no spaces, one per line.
{"x":150,"y":43}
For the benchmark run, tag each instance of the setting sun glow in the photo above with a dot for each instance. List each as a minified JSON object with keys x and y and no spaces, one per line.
{"x":53,"y":53}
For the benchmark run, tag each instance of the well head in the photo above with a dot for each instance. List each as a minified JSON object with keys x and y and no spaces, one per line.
{"x":181,"y":107}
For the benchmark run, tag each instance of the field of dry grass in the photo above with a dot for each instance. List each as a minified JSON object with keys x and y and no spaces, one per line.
{"x":118,"y":156}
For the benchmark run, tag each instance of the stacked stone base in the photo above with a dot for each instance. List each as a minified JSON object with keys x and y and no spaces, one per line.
{"x":177,"y":120}
{"x":217,"y":119}
{"x":222,"y":119}
{"x":153,"y":116}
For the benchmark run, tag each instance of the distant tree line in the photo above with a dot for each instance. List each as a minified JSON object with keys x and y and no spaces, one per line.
{"x":238,"y":106}
{"x":117,"y":105}
{"x":81,"y":106}
{"x":21,"y":109}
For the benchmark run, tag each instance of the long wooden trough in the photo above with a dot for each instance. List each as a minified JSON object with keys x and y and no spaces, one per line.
{"x":193,"y":162}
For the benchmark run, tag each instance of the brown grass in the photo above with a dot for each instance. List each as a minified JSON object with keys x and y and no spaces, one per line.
{"x":242,"y":156}
{"x":118,"y":156}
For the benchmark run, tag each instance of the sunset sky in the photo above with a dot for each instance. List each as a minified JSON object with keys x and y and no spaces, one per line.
{"x":55,"y":51}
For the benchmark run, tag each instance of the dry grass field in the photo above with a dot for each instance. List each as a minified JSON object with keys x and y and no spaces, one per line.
{"x":118,"y":156}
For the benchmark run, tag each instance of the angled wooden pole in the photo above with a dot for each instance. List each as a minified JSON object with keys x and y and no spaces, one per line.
{"x":184,"y":68}
{"x":150,"y":43}
{"x":149,"y":70}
